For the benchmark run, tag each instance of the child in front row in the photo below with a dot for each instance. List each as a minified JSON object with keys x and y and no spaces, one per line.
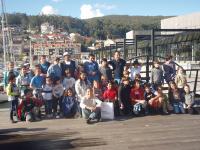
{"x":26,"y":107}
{"x":124,"y":91}
{"x":176,"y":98}
{"x":191,"y":105}
{"x":137,"y":98}
{"x":158,"y":101}
{"x":13,"y":94}
{"x":69,"y":103}
{"x":110,"y":95}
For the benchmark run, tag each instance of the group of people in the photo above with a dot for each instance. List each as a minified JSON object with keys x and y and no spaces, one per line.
{"x":68,"y":89}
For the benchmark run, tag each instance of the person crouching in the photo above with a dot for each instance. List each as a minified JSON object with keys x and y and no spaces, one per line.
{"x":25,"y":109}
{"x":91,"y":106}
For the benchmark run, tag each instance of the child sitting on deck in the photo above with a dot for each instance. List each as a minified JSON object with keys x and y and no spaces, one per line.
{"x":110,"y":95}
{"x":137,"y":98}
{"x":191,"y":106}
{"x":176,"y":98}
{"x":69,"y":104}
{"x":158,"y":101}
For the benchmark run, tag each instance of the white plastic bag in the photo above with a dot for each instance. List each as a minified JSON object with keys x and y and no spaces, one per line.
{"x":107,"y":110}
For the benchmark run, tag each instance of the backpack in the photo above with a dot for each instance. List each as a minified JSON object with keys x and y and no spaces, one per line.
{"x":137,"y":108}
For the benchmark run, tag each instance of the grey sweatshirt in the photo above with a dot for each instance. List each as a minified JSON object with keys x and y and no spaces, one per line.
{"x":157,"y":75}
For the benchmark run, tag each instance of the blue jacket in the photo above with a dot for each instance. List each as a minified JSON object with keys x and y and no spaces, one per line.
{"x":68,"y":105}
{"x":44,"y":67}
{"x":54,"y":71}
{"x":92,"y":67}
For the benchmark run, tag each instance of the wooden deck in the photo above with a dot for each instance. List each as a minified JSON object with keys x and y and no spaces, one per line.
{"x":173,"y":132}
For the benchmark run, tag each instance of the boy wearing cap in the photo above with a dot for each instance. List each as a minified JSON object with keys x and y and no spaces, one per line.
{"x":68,"y":64}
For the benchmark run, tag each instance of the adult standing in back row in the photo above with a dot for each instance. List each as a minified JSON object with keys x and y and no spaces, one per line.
{"x":118,"y":65}
{"x":68,"y":64}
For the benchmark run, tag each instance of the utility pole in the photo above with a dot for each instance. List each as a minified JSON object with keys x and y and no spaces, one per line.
{"x":3,"y":34}
{"x":30,"y":54}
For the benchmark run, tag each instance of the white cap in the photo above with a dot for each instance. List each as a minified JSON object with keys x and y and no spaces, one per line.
{"x":66,"y":53}
{"x":26,"y":64}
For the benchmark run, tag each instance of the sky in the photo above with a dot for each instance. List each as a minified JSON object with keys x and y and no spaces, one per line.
{"x":85,"y":9}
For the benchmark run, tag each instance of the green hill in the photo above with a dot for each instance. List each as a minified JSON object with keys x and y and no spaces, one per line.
{"x":100,"y":27}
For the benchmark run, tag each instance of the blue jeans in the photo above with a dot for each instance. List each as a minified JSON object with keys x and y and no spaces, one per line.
{"x":92,"y":115}
{"x":13,"y":108}
{"x":178,"y":108}
{"x":55,"y":103}
{"x":48,"y":106}
{"x":79,"y":109}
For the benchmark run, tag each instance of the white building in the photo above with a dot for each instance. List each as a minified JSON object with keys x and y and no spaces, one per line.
{"x":108,"y":42}
{"x":46,"y":28}
{"x":189,"y":21}
{"x":131,"y":34}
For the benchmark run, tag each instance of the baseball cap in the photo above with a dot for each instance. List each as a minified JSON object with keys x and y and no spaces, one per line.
{"x":66,"y":53}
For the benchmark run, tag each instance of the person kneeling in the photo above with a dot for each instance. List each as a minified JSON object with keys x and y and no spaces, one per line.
{"x":25,"y":109}
{"x":91,"y":106}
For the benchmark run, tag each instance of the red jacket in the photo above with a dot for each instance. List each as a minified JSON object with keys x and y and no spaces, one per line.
{"x":136,"y":94}
{"x":110,"y":95}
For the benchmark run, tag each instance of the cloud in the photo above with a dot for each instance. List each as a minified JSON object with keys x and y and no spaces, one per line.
{"x":88,"y":11}
{"x":104,"y":6}
{"x":48,"y":10}
{"x":57,"y":1}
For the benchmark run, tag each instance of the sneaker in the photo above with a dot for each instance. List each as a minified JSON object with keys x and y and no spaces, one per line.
{"x":88,"y":121}
{"x":57,"y":116}
{"x":61,"y":115}
{"x":48,"y":116}
{"x":37,"y":119}
{"x":165,"y":113}
{"x":13,"y":121}
{"x":99,"y":120}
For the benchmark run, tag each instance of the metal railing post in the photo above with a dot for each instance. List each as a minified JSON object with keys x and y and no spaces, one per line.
{"x":124,"y":49}
{"x":152,"y":43}
{"x":196,"y":80}
{"x":147,"y":69}
{"x":110,"y":52}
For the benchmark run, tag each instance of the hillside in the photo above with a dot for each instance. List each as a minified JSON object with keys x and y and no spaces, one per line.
{"x":100,"y":27}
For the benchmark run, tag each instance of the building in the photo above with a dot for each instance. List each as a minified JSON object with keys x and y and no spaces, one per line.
{"x":46,"y":28}
{"x":131,"y":34}
{"x":54,"y":45}
{"x":189,"y":21}
{"x":188,"y":49}
{"x":108,"y":42}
